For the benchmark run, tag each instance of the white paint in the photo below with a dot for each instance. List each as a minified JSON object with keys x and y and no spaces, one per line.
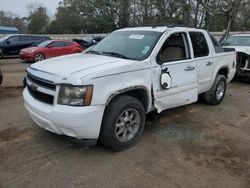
{"x":110,"y":75}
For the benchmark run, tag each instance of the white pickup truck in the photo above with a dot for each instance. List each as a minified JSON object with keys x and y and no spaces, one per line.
{"x":104,"y":93}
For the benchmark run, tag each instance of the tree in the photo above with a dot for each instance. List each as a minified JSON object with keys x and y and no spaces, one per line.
{"x":38,"y":21}
{"x":9,"y":19}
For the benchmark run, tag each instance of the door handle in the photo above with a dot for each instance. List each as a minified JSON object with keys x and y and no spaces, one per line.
{"x":189,"y":68}
{"x":209,"y":63}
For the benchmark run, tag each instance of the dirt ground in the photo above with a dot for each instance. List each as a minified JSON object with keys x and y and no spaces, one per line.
{"x":192,"y":146}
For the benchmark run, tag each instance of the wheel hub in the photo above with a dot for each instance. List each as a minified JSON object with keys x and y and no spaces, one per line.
{"x":127,"y":125}
{"x":220,"y":90}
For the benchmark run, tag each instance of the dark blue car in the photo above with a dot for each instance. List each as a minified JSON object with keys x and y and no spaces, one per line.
{"x":12,"y":44}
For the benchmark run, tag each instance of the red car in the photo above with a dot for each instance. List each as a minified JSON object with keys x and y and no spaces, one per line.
{"x":48,"y":49}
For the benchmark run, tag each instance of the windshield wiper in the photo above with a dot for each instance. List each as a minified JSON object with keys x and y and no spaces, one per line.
{"x":93,"y":52}
{"x":116,"y":54}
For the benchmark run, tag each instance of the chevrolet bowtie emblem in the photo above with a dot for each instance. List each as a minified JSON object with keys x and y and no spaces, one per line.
{"x":33,"y":86}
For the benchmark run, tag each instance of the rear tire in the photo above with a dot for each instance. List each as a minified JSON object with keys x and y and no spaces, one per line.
{"x":38,"y":57}
{"x":217,"y":92}
{"x":123,"y":123}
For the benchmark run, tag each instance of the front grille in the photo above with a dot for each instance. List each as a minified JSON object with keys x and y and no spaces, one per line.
{"x":41,"y":82}
{"x":41,"y":96}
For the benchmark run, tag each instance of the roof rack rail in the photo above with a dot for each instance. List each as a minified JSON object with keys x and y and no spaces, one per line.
{"x":155,"y":25}
{"x":179,"y":25}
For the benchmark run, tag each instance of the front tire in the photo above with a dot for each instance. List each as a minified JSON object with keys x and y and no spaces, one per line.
{"x":123,"y":123}
{"x":217,"y":92}
{"x":38,"y":57}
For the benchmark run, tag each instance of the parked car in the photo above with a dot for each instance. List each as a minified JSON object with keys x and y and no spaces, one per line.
{"x":12,"y":44}
{"x":48,"y":49}
{"x":106,"y":92}
{"x":241,"y":43}
{"x":1,"y":77}
{"x":87,"y":42}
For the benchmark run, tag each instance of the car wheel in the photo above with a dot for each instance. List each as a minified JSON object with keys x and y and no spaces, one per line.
{"x":38,"y":57}
{"x":123,"y":123}
{"x":217,"y":92}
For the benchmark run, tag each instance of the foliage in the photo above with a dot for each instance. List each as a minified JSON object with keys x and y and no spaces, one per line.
{"x":38,"y":21}
{"x":103,"y":16}
{"x":11,"y":20}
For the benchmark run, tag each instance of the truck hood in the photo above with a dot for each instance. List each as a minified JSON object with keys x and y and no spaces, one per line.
{"x":244,"y":49}
{"x":70,"y":64}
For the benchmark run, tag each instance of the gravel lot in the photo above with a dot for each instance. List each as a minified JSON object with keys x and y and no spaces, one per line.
{"x":192,"y":146}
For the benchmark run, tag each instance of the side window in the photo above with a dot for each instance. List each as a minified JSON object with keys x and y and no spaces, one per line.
{"x":67,"y":43}
{"x":216,"y":44}
{"x":175,"y":48}
{"x":26,"y":38}
{"x":13,"y":39}
{"x":57,"y":44}
{"x":199,"y":43}
{"x":36,"y":38}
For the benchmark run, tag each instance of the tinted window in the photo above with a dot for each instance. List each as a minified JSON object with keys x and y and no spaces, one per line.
{"x":13,"y":39}
{"x":57,"y":44}
{"x":216,"y":44}
{"x":36,"y":38}
{"x":199,"y":43}
{"x":175,"y":48}
{"x":26,"y":38}
{"x":67,"y":43}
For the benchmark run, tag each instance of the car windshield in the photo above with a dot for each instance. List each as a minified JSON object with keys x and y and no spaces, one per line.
{"x":87,"y":39}
{"x":44,"y":44}
{"x":4,"y":38}
{"x":237,"y":41}
{"x":134,"y":45}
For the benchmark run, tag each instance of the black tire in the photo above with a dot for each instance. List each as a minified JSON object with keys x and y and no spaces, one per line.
{"x":38,"y":57}
{"x":113,"y":113}
{"x":211,"y":95}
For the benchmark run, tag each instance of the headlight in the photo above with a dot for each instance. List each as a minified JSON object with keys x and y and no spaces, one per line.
{"x":29,"y":52}
{"x":75,"y":95}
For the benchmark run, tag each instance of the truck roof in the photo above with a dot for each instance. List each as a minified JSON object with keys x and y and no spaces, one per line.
{"x":159,"y":28}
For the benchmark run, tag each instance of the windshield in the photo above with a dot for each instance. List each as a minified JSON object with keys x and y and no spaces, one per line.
{"x":135,"y":45}
{"x":4,"y":38}
{"x":237,"y":41}
{"x":44,"y":44}
{"x":87,"y":39}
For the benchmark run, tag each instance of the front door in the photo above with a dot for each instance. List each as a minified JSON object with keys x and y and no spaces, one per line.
{"x":175,"y":77}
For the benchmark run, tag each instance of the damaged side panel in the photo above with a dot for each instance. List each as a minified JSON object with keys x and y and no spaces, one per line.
{"x":243,"y":64}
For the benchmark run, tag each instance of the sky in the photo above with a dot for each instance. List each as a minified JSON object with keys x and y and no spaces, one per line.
{"x":19,"y":6}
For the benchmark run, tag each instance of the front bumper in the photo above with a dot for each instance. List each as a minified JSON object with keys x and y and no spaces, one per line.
{"x":26,"y":56}
{"x":77,"y":122}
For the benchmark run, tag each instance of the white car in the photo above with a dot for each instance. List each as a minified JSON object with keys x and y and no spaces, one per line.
{"x":241,"y":43}
{"x":105,"y":92}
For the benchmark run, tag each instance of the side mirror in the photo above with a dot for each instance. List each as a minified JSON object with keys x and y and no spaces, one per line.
{"x":166,"y":80}
{"x":50,"y":46}
{"x":7,"y":42}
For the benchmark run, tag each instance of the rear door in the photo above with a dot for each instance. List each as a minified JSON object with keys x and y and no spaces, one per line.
{"x":179,"y":69}
{"x":204,"y":60}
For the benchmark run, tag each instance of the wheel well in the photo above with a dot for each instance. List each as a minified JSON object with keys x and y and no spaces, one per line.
{"x":223,"y":71}
{"x":140,"y":94}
